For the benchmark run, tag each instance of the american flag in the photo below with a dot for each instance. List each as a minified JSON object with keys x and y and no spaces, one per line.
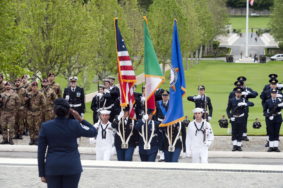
{"x":126,"y":73}
{"x":251,"y":2}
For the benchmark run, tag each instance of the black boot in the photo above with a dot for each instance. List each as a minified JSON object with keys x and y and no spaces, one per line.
{"x":276,"y":149}
{"x":270,"y":149}
{"x":245,"y":138}
{"x":234,"y":148}
{"x":11,"y":142}
{"x":31,"y":142}
{"x":239,"y":148}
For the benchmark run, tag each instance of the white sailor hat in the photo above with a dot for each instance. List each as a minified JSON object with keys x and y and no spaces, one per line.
{"x":105,"y":112}
{"x":197,"y":110}
{"x":73,"y":78}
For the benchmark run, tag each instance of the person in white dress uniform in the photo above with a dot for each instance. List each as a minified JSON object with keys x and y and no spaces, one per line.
{"x":199,"y":138}
{"x":105,"y":137}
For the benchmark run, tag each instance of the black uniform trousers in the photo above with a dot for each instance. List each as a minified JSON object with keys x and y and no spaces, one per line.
{"x":245,"y":123}
{"x":273,"y":127}
{"x":63,"y":181}
{"x":238,"y":128}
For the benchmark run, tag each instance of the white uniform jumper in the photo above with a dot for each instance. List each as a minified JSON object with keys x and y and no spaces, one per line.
{"x":199,"y":138}
{"x":104,"y":141}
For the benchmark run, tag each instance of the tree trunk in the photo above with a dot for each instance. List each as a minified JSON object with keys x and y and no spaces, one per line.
{"x":200,"y":53}
{"x":197,"y":56}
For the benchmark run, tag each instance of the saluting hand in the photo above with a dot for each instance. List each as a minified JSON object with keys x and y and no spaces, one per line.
{"x":76,"y":115}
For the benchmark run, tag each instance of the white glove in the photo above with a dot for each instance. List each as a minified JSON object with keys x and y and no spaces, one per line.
{"x":99,"y":95}
{"x":142,"y":99}
{"x":106,"y":91}
{"x":67,"y":97}
{"x":280,"y":104}
{"x":197,"y":97}
{"x":145,"y":117}
{"x":232,"y":119}
{"x":121,"y":115}
{"x":209,"y":118}
{"x":279,"y":86}
{"x":245,"y":93}
{"x":271,"y":118}
{"x":242,"y":104}
{"x":279,"y":95}
{"x":82,"y":114}
{"x":92,"y":140}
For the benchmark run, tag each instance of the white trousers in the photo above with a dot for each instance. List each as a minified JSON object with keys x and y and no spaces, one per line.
{"x":200,"y":155}
{"x":103,"y":154}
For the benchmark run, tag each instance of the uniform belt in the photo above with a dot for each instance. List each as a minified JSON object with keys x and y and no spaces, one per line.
{"x":75,"y":105}
{"x":159,"y":119}
{"x":237,"y":116}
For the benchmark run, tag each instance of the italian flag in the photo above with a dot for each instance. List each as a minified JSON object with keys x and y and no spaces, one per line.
{"x":152,"y":70}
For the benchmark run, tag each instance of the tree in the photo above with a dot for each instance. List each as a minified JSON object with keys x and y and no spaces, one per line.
{"x":11,"y":41}
{"x":57,"y":36}
{"x":276,"y":19}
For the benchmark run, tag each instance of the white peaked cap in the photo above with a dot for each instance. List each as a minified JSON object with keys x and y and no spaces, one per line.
{"x":106,"y":112}
{"x":197,"y":110}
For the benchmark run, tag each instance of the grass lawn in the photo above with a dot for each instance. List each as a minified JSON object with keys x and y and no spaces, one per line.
{"x":218,"y":77}
{"x":254,"y":22}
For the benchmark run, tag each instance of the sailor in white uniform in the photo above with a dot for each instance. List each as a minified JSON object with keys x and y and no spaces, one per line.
{"x":199,"y":138}
{"x":105,"y":137}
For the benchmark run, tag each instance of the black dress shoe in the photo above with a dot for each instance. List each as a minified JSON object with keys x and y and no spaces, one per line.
{"x":234,"y":148}
{"x":239,"y":148}
{"x":4,"y":142}
{"x":276,"y":149}
{"x":31,"y":142}
{"x":245,"y":138}
{"x":267,"y":144}
{"x":270,"y":150}
{"x":11,"y":142}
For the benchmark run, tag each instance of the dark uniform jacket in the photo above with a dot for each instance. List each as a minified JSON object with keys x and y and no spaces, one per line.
{"x":155,"y":142}
{"x":129,"y":128}
{"x":271,"y":108}
{"x":76,"y":98}
{"x":234,"y":110}
{"x":59,"y":138}
{"x":181,"y":143}
{"x":204,"y":102}
{"x":266,"y":94}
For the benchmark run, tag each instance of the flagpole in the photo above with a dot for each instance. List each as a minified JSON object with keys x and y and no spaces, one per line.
{"x":247,"y":29}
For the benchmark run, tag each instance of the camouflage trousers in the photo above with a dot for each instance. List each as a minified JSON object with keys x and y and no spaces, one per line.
{"x":34,"y":121}
{"x":48,"y":115}
{"x":20,"y":122}
{"x":8,"y":120}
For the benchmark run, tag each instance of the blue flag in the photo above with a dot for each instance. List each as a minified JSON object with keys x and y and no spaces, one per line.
{"x":175,"y":112}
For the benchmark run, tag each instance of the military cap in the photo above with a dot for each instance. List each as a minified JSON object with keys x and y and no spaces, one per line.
{"x":101,"y":86}
{"x":105,"y":112}
{"x":201,"y":87}
{"x":273,"y":91}
{"x":73,"y":79}
{"x":51,"y":74}
{"x":106,"y":80}
{"x":44,"y":80}
{"x":238,"y":90}
{"x":61,"y":102}
{"x":111,"y":77}
{"x":238,"y":83}
{"x":126,"y":109}
{"x":165,"y":92}
{"x":273,"y":81}
{"x":150,"y":111}
{"x":197,"y":110}
{"x":272,"y":75}
{"x":34,"y":83}
{"x":7,"y":83}
{"x":242,"y":78}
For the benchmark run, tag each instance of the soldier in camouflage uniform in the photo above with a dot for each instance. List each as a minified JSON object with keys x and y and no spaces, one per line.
{"x":50,"y":96}
{"x":53,"y":85}
{"x":21,"y":114}
{"x":1,"y":91}
{"x":27,"y":86}
{"x":10,"y":103}
{"x":35,"y":103}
